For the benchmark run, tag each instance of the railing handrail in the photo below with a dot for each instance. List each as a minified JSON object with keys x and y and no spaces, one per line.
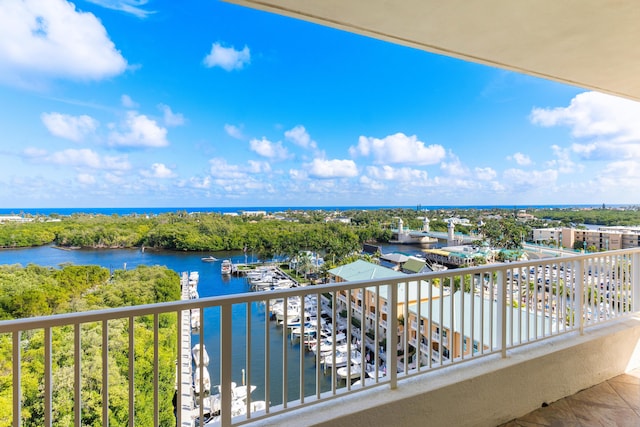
{"x":165,"y":307}
{"x":491,"y":282}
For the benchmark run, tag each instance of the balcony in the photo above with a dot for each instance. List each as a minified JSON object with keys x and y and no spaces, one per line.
{"x":535,"y":344}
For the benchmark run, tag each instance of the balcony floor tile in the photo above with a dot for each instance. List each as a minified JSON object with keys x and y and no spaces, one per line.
{"x":615,"y":402}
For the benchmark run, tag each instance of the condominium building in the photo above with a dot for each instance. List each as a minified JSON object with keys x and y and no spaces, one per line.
{"x":602,"y":238}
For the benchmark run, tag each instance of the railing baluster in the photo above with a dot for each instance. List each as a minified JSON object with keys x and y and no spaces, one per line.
{"x":502,"y":313}
{"x":105,"y":373}
{"x":17,"y":375}
{"x":635,"y":291}
{"x":267,"y":356}
{"x":48,"y":378}
{"x":156,"y":371}
{"x":200,"y":365}
{"x":363,"y":338}
{"x":581,"y":278}
{"x":180,"y":314}
{"x":419,"y":324}
{"x":77,"y":376}
{"x":303,"y":321}
{"x":226,"y":363}
{"x":334,"y":317}
{"x":392,"y":336}
{"x":376,"y":335}
{"x":462,"y":314}
{"x":319,"y":301}
{"x":284,"y":353}
{"x":132,"y":358}
{"x":430,"y":320}
{"x":247,"y":365}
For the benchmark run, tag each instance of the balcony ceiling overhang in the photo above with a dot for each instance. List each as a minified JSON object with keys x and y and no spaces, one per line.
{"x":593,"y":44}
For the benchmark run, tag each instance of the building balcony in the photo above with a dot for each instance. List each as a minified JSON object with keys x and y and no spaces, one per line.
{"x":547,"y":345}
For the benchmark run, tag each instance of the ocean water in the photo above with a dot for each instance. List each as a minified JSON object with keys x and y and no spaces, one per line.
{"x":270,"y":209}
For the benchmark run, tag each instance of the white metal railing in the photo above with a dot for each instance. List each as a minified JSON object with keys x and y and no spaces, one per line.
{"x":493,"y":308}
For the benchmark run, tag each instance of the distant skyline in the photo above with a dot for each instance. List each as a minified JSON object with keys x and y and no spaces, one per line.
{"x":130,"y":103}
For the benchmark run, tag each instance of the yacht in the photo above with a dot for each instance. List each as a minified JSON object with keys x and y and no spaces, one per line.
{"x":226,"y":266}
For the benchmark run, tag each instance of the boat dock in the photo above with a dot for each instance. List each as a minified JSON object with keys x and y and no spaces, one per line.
{"x":184,"y":376}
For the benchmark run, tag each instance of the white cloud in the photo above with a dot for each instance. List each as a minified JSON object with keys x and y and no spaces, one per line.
{"x":405,"y":174}
{"x":202,"y":183}
{"x":398,"y":148}
{"x":520,"y":159}
{"x":233,"y":131}
{"x":83,"y":158}
{"x":114,"y":178}
{"x":33,"y":152}
{"x":158,"y":170}
{"x":128,"y":102}
{"x":86,"y":179}
{"x":42,"y":40}
{"x":454,"y":167}
{"x":562,"y":161}
{"x":372,"y":184}
{"x":607,"y":150}
{"x":71,"y":157}
{"x":139,"y":131}
{"x":610,"y":125}
{"x":171,"y":118}
{"x":133,"y":7}
{"x":258,"y":167}
{"x":75,"y":128}
{"x":320,"y":168}
{"x":530,"y":179}
{"x":617,"y":176}
{"x":268,"y":149}
{"x":227,"y":58}
{"x":485,"y":174}
{"x":298,"y":175}
{"x":115,"y":163}
{"x":219,"y":168}
{"x":299,"y":136}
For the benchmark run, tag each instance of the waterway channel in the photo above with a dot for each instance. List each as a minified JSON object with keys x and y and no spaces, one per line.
{"x":211,"y":283}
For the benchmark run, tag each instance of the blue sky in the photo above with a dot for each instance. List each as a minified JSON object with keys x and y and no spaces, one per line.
{"x":135,"y":103}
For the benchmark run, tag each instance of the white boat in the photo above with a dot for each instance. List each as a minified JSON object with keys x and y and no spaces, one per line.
{"x":352,"y":372}
{"x":342,"y":359}
{"x":196,"y":355}
{"x":326,"y":345}
{"x":209,"y":259}
{"x":238,"y":408}
{"x":206,"y":381}
{"x":242,"y":391}
{"x":355,"y":371}
{"x":226,"y":267}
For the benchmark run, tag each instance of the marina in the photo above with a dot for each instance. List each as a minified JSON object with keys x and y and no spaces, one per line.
{"x":255,"y":323}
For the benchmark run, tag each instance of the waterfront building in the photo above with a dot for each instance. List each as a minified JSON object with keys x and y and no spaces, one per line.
{"x":602,"y":238}
{"x":462,"y":324}
{"x":375,"y":301}
{"x":547,"y":235}
{"x":414,"y":265}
